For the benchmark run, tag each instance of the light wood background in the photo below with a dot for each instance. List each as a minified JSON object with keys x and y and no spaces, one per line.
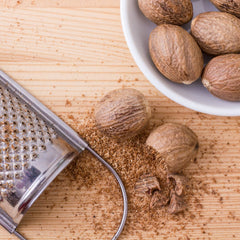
{"x":75,"y":50}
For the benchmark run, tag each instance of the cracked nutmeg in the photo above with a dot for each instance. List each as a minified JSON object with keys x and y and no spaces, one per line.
{"x":159,"y":200}
{"x":180,"y":183}
{"x":122,"y":113}
{"x":147,"y":184}
{"x":177,"y":204}
{"x":176,"y":144}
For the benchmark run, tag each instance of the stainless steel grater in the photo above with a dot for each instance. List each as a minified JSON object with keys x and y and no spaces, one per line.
{"x":35,"y":146}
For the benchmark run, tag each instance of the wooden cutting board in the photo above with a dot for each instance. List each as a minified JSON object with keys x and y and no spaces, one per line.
{"x":74,"y":51}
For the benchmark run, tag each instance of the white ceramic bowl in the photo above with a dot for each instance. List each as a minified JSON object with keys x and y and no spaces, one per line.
{"x":137,"y":29}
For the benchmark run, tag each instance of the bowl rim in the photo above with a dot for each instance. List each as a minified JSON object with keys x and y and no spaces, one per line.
{"x":176,"y":97}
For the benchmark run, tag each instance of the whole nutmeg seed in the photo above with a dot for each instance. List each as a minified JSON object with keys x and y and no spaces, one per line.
{"x":176,"y":54}
{"x":222,"y":77}
{"x":167,"y":11}
{"x":176,"y":144}
{"x":122,"y":113}
{"x":229,"y":6}
{"x":217,"y":32}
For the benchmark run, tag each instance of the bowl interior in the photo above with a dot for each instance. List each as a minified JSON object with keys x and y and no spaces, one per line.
{"x":137,"y":29}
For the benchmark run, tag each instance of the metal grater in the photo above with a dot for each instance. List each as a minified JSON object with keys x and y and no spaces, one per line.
{"x":35,"y":146}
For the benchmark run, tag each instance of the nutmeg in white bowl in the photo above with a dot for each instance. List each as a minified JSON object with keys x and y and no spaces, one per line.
{"x":137,"y":29}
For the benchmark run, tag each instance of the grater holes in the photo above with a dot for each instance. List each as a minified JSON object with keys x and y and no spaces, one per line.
{"x":16,"y":158}
{"x":34,"y":148}
{"x":15,"y":148}
{"x":5,"y":149}
{"x":8,"y":184}
{"x":6,"y":140}
{"x":34,"y":156}
{"x":17,"y":167}
{"x":25,"y":157}
{"x":9,"y":176}
{"x":42,"y":147}
{"x":30,"y":125}
{"x":7,"y":158}
{"x":15,"y":131}
{"x":17,"y":175}
{"x":23,"y":123}
{"x":24,"y":131}
{"x":25,"y":137}
{"x":49,"y":140}
{"x":8,"y":167}
{"x":15,"y":139}
{"x":40,"y":135}
{"x":5,"y":131}
{"x":25,"y":165}
{"x":25,"y":148}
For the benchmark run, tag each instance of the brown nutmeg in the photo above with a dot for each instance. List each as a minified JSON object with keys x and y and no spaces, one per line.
{"x":176,"y":144}
{"x":176,"y":54}
{"x":229,"y":6}
{"x":222,"y":77}
{"x":217,"y":33}
{"x":122,"y":113}
{"x":167,"y":11}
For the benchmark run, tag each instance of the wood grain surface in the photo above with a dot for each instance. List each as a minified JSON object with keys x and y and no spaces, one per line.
{"x":74,"y":50}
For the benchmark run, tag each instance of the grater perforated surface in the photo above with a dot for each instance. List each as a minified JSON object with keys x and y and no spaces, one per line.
{"x":23,"y":136}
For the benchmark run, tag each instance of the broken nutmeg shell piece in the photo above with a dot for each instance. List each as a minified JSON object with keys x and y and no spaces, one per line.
{"x":180,"y":183}
{"x":159,"y":200}
{"x":147,"y":184}
{"x":177,"y":204}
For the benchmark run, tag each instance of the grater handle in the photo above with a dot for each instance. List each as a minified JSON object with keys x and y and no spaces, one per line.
{"x":17,"y":234}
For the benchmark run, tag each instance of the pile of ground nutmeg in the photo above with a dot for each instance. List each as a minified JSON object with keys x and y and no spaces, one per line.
{"x":132,"y":159}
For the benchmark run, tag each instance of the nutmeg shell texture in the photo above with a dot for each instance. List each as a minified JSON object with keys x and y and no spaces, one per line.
{"x":217,"y":32}
{"x":176,"y":54}
{"x":176,"y":144}
{"x":222,"y":77}
{"x":167,"y":11}
{"x":229,"y":6}
{"x":122,"y":113}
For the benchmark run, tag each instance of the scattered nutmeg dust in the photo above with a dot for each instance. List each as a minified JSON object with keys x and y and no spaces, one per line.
{"x":131,"y":159}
